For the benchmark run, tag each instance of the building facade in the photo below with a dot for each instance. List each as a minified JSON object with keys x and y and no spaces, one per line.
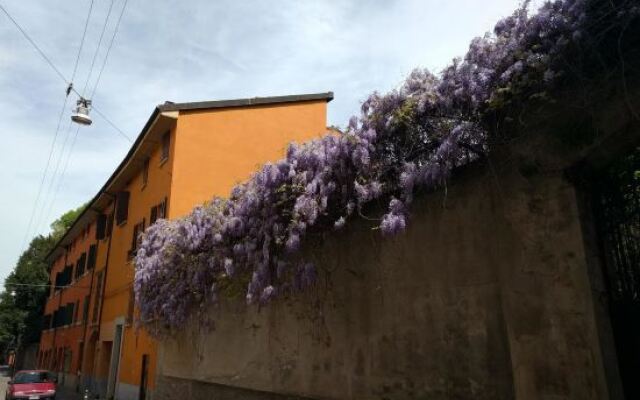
{"x":186,"y":154}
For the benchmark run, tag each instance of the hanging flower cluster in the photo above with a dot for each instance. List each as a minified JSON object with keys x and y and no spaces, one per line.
{"x":410,"y":138}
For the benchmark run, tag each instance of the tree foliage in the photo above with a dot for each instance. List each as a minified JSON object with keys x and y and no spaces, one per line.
{"x":21,"y":315}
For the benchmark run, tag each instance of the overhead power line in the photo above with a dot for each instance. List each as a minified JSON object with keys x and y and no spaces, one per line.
{"x":64,"y":105}
{"x":84,"y":35}
{"x":124,"y":135}
{"x":51,"y":64}
{"x":35,"y":46}
{"x":44,"y":174}
{"x":106,"y":57}
{"x":47,"y":210}
{"x":54,"y":184}
{"x":95,"y":55}
{"x":70,"y":88}
{"x":47,"y":285}
{"x":53,"y":180}
{"x":89,"y":75}
{"x":62,"y":175}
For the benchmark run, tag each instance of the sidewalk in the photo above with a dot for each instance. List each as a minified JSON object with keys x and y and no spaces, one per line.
{"x":65,"y":393}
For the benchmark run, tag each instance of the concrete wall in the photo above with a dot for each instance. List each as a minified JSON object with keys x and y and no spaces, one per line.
{"x":486,"y":296}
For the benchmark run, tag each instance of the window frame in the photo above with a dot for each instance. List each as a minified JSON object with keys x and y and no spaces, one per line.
{"x":138,"y":229}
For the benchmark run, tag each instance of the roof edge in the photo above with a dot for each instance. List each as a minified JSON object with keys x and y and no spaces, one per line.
{"x":326,"y":96}
{"x":202,"y":105}
{"x":103,"y":189}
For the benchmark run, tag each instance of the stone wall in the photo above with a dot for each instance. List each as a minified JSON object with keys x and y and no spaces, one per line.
{"x":486,"y":296}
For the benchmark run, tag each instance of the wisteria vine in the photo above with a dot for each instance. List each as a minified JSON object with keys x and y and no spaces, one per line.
{"x":410,"y":138}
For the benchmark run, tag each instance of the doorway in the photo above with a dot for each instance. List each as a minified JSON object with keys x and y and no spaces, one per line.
{"x":115,"y":362}
{"x":144,"y":377}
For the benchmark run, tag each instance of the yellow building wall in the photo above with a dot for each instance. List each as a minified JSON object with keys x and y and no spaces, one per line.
{"x":216,"y":149}
{"x":119,"y":283}
{"x":211,"y":151}
{"x":73,"y":335}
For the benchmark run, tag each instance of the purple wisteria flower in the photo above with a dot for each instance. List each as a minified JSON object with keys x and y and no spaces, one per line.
{"x":406,"y":140}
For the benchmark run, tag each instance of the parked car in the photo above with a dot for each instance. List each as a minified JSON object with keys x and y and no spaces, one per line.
{"x":32,"y":385}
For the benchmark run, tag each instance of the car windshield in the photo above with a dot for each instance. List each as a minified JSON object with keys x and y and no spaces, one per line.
{"x":31,"y":377}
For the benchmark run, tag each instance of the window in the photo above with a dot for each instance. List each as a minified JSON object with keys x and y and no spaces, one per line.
{"x":145,"y":173}
{"x":109,"y":227}
{"x":122,"y":207}
{"x":135,"y":239}
{"x":101,"y":227}
{"x":63,"y":315}
{"x":162,"y":209}
{"x":159,"y":211}
{"x":80,"y":265}
{"x":154,"y":215}
{"x":63,"y":278}
{"x":76,"y":308}
{"x":166,"y":144}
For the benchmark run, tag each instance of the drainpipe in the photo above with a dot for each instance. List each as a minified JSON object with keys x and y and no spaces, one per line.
{"x":106,"y":268}
{"x":55,"y":329}
{"x":86,"y":318}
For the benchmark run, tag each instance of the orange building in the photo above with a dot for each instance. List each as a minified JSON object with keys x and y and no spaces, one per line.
{"x":186,"y":154}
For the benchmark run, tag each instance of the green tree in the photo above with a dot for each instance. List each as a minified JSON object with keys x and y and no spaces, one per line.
{"x":60,"y":225}
{"x":26,"y":287}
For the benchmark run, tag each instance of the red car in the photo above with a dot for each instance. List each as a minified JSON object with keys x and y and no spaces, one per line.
{"x":32,"y":385}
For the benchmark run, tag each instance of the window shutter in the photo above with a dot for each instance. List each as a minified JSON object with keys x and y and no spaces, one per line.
{"x":122,"y":207}
{"x":91,"y":262}
{"x":134,"y":238}
{"x":65,"y":276}
{"x":67,"y":314}
{"x":85,"y":309}
{"x":109,"y":225}
{"x":81,"y":264}
{"x":101,"y":226}
{"x":154,"y":214}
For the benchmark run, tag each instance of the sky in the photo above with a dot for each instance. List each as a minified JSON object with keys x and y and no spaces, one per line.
{"x":186,"y":51}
